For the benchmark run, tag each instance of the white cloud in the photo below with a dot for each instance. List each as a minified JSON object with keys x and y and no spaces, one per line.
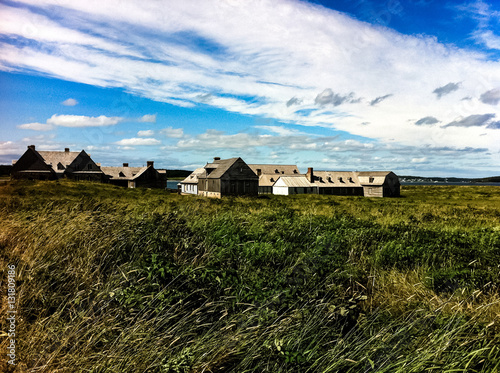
{"x":36,"y":126}
{"x":419,"y":160}
{"x":146,"y":133}
{"x":83,"y":121}
{"x":138,"y":141}
{"x":277,"y":52}
{"x":70,"y":102}
{"x":175,"y":133}
{"x":8,"y":148}
{"x":148,"y":118}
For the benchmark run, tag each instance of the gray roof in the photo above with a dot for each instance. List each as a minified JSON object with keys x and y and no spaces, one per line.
{"x":268,"y":180}
{"x":331,"y":179}
{"x":275,"y":169}
{"x":296,"y":181}
{"x":124,"y":173}
{"x":375,"y":178}
{"x":193,"y":178}
{"x":219,"y":168}
{"x":53,"y":159}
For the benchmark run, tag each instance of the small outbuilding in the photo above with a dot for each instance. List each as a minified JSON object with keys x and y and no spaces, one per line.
{"x":227,"y":177}
{"x":287,"y":185}
{"x":190,"y":184}
{"x":379,"y":183}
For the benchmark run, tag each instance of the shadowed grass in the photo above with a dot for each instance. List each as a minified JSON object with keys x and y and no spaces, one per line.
{"x":117,"y":280}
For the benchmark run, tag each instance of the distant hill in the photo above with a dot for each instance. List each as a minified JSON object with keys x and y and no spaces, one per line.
{"x":420,"y":179}
{"x":178,"y":174}
{"x":5,"y":170}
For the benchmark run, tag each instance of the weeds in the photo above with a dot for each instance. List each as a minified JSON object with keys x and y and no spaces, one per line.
{"x":116,"y":280}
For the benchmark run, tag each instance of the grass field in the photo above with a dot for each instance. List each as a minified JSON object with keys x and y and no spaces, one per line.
{"x":133,"y":280}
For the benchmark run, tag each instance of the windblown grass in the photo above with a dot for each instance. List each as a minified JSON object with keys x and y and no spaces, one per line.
{"x":116,"y":280}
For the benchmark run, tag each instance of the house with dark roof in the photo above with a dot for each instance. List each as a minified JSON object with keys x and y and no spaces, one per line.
{"x":53,"y":165}
{"x":136,"y":177}
{"x":269,"y":173}
{"x":227,"y":177}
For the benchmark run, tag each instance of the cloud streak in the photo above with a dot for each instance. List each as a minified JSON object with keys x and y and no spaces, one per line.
{"x":270,"y":59}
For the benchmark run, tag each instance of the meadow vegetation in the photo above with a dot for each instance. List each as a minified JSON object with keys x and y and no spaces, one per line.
{"x":120,"y":280}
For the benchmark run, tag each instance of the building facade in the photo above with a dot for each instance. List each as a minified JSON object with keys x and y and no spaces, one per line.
{"x":227,"y":177}
{"x":136,"y":177}
{"x":53,"y":165}
{"x":269,"y":173}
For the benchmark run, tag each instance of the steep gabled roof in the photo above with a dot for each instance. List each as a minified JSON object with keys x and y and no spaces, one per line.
{"x":124,"y":173}
{"x":375,"y":178}
{"x":218,"y":167}
{"x":59,"y":161}
{"x":193,"y":178}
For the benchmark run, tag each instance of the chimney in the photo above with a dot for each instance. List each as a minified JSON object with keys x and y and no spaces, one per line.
{"x":216,"y":159}
{"x":150,"y":163}
{"x":310,"y":175}
{"x":125,"y":165}
{"x":31,"y":147}
{"x":66,"y":150}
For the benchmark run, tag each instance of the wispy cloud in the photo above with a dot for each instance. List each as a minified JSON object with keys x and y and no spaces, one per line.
{"x":175,"y":133}
{"x":135,"y":141}
{"x":426,"y":120}
{"x":36,"y":126}
{"x":83,"y":121}
{"x":70,"y":102}
{"x":472,"y":121}
{"x":276,"y":62}
{"x":148,"y":118}
{"x":146,"y":133}
{"x":329,"y":97}
{"x":444,"y":90}
{"x":491,"y":97}
{"x":379,"y":99}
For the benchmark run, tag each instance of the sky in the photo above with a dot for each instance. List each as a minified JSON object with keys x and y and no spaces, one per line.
{"x":411,"y":86}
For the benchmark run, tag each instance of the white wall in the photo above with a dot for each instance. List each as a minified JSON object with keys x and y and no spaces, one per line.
{"x":282,"y":191}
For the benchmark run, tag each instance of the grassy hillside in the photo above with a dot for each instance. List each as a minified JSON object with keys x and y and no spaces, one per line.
{"x":117,"y":280}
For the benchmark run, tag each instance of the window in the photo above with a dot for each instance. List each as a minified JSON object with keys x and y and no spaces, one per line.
{"x":89,"y":166}
{"x":372,"y":179}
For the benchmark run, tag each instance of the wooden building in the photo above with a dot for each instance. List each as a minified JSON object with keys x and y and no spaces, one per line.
{"x":379,"y":183}
{"x":136,"y":177}
{"x":269,"y":173}
{"x":340,"y":183}
{"x":53,"y":165}
{"x":190,"y":184}
{"x":287,"y":185}
{"x":227,"y":177}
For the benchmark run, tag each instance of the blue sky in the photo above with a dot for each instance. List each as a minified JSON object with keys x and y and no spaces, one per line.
{"x":411,"y":86}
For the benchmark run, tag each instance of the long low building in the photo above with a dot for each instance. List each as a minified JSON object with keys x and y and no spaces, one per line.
{"x":344,"y":183}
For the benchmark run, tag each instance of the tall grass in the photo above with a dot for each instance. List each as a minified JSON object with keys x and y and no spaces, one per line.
{"x":116,"y":280}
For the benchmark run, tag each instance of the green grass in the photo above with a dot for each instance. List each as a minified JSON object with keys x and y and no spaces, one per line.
{"x":118,"y":280}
